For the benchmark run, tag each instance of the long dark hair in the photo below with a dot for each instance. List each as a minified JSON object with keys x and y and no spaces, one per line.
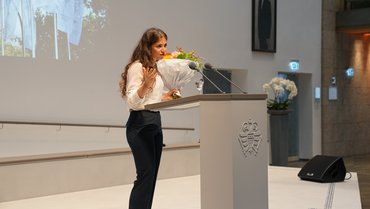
{"x":143,"y":54}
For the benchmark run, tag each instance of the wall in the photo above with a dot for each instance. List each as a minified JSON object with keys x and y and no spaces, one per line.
{"x":28,"y":140}
{"x":298,"y":38}
{"x":345,"y":120}
{"x":220,"y":31}
{"x":35,"y":178}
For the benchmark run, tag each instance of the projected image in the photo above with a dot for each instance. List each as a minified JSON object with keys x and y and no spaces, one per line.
{"x":55,"y":29}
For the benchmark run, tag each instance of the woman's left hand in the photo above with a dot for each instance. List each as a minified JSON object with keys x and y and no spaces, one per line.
{"x":169,"y":95}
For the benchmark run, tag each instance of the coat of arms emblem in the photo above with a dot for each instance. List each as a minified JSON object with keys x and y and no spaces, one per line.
{"x":250,"y":138}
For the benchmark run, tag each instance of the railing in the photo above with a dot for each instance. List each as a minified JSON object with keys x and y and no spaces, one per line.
{"x":81,"y":125}
{"x":79,"y":154}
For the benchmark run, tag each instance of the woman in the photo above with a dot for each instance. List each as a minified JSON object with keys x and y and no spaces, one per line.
{"x":141,"y":84}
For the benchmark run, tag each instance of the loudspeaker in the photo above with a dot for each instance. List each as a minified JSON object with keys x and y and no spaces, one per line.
{"x":323,"y":169}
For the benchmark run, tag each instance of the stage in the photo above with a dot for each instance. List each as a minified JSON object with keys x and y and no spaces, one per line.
{"x":286,"y":191}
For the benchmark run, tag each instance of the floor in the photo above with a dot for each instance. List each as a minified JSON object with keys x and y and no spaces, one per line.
{"x":168,"y":192}
{"x":359,"y":164}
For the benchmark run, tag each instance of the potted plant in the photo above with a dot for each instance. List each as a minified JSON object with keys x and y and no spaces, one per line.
{"x":283,"y":91}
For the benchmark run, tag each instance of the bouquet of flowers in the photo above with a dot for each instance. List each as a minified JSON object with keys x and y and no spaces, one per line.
{"x":181,"y":54}
{"x":175,"y":71}
{"x":284,"y":90}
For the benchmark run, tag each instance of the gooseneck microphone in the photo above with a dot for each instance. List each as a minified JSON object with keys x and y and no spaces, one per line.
{"x":210,"y":67}
{"x":193,"y":66}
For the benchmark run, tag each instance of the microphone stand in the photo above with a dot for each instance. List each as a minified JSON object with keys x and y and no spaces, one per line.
{"x":193,"y":66}
{"x":211,"y":81}
{"x":240,"y":89}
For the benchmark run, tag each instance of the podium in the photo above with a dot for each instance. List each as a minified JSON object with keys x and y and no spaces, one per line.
{"x":233,"y":148}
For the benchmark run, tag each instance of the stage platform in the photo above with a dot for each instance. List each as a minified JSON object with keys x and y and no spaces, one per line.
{"x":286,"y":191}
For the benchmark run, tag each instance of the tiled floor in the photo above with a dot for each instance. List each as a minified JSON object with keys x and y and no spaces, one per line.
{"x":184,"y":193}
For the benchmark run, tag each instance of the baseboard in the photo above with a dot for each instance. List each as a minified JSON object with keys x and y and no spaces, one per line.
{"x":293,"y":158}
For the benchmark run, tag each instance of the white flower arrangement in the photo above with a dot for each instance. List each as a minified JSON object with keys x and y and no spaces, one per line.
{"x":279,"y":87}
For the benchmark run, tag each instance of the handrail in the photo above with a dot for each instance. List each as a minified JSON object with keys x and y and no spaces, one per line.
{"x":80,"y":154}
{"x":82,"y":125}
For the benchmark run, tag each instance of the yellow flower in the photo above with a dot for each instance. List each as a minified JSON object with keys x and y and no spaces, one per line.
{"x":168,"y":56}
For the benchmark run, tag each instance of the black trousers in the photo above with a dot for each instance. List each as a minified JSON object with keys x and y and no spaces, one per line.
{"x":144,"y":135}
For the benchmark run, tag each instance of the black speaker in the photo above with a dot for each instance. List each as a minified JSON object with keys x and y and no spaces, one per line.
{"x":323,"y":169}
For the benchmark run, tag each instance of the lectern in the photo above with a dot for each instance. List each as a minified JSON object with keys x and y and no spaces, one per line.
{"x":233,"y":149}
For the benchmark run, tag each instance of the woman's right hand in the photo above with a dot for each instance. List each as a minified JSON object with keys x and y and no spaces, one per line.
{"x":149,"y":75}
{"x":148,"y":81}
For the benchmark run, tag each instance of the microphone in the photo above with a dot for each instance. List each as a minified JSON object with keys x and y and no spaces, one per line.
{"x":210,"y":67}
{"x":193,"y":66}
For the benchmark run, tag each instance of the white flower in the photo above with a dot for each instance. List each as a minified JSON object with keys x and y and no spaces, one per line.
{"x":279,"y":90}
{"x":266,"y":88}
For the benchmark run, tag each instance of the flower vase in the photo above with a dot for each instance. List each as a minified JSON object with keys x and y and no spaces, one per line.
{"x":279,"y":136}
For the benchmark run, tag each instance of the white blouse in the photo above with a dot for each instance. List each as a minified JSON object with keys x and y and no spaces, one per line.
{"x":134,"y":81}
